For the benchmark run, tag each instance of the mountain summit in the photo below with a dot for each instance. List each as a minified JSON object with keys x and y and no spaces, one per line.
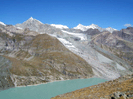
{"x":31,"y":23}
{"x":110,"y":29}
{"x":31,"y":18}
{"x":85,"y":28}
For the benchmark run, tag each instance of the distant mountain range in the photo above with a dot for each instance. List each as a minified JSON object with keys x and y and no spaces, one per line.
{"x":79,"y":26}
{"x":44,"y":52}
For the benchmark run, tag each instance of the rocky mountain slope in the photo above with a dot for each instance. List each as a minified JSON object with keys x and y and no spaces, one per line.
{"x":78,"y":42}
{"x":118,"y":43}
{"x":36,"y":25}
{"x":121,"y":88}
{"x":5,"y":75}
{"x":33,"y":59}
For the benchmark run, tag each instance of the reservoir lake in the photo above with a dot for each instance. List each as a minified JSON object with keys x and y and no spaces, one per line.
{"x":48,"y":90}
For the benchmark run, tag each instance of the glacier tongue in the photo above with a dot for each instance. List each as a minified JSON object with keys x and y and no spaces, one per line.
{"x":66,"y":43}
{"x":80,"y":35}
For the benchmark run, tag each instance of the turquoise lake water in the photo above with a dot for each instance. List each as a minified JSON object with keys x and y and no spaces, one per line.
{"x":46,"y":91}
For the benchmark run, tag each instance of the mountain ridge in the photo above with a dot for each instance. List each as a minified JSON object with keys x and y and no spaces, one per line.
{"x":79,"y":26}
{"x":94,"y":26}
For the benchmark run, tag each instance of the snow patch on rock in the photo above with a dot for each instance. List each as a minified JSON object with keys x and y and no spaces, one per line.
{"x":120,"y":67}
{"x":19,"y":28}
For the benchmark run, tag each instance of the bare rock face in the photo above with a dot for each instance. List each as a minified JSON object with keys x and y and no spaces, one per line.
{"x":126,"y":34}
{"x":92,"y":32}
{"x":119,"y":43}
{"x":5,"y":75}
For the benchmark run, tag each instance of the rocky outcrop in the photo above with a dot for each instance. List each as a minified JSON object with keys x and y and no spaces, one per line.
{"x":120,"y":88}
{"x":126,"y":34}
{"x":5,"y":74}
{"x":92,"y":32}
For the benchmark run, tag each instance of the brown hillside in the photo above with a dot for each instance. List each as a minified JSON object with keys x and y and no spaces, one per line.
{"x":121,"y":88}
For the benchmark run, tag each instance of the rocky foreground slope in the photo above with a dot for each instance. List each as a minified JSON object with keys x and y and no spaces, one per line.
{"x":121,"y":88}
{"x":33,"y":59}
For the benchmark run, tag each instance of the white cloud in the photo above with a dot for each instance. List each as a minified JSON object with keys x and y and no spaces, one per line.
{"x":127,"y":25}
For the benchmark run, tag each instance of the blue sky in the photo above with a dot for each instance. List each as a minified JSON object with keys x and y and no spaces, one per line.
{"x":105,"y":13}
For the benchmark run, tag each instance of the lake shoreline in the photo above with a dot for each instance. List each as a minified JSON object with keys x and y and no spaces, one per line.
{"x":50,"y":89}
{"x":60,"y":80}
{"x":52,"y":82}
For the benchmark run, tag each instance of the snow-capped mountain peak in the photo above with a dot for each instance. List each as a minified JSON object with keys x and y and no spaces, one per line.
{"x":110,"y":29}
{"x":59,"y":26}
{"x":31,"y":23}
{"x":2,"y":23}
{"x":31,"y":18}
{"x":81,"y":27}
{"x":85,"y":28}
{"x":94,"y":26}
